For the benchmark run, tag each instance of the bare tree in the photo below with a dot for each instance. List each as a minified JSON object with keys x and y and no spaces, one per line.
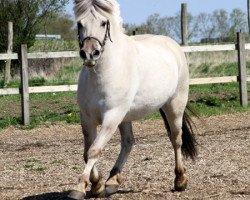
{"x":193,"y":26}
{"x":220,"y":21}
{"x":206,"y":27}
{"x":238,"y":20}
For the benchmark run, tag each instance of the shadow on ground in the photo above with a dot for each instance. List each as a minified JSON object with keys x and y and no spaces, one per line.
{"x":49,"y":196}
{"x":64,"y":195}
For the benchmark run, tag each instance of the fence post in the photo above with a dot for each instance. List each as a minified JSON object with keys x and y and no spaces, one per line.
{"x":184,"y":24}
{"x":9,"y":50}
{"x":242,"y":69}
{"x":25,"y":86}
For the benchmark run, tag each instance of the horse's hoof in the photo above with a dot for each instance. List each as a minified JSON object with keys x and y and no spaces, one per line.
{"x":98,"y":189}
{"x":100,"y":195}
{"x":180,"y":188}
{"x":76,"y":195}
{"x":180,"y":184}
{"x":111,"y":189}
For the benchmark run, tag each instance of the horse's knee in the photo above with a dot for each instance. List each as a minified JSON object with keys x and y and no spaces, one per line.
{"x":93,"y":153}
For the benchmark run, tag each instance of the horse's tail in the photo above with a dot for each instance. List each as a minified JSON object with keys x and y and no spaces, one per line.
{"x":189,"y":143}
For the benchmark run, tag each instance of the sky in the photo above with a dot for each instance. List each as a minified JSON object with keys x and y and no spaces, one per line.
{"x":137,"y":11}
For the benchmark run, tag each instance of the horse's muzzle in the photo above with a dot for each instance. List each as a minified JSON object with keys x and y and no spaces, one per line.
{"x":90,"y":63}
{"x":91,"y":52}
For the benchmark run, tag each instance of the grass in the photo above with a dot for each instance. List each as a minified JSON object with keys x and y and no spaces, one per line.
{"x":34,"y":165}
{"x":216,"y":70}
{"x":216,"y":99}
{"x":55,"y":45}
{"x":66,"y":75}
{"x":44,"y":107}
{"x":207,"y":100}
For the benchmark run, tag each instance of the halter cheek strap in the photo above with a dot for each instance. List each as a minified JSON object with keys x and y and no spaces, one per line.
{"x":102,"y":44}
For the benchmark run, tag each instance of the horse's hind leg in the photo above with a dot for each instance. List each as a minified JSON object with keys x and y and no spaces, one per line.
{"x":127,"y":141}
{"x":172,"y":114}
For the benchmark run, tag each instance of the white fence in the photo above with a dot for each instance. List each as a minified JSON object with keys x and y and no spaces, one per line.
{"x":240,"y":47}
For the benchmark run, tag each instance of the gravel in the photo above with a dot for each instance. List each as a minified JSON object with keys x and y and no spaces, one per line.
{"x":45,"y":162}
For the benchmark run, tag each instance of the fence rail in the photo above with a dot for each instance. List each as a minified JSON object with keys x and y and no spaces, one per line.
{"x":241,"y":47}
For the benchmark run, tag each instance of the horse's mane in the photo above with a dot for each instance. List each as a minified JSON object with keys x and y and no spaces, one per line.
{"x":103,"y":7}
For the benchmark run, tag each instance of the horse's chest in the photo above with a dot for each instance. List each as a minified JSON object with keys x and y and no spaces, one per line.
{"x":95,"y":102}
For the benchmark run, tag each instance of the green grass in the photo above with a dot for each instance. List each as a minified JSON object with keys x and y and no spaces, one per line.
{"x":216,"y":70}
{"x":55,"y":45}
{"x":45,"y":107}
{"x":34,"y":165}
{"x":214,"y":99}
{"x":207,"y":100}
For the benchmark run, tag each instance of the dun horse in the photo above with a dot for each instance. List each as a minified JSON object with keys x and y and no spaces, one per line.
{"x":124,"y":79}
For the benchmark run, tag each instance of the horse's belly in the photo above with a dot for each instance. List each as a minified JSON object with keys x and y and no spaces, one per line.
{"x":144,"y":104}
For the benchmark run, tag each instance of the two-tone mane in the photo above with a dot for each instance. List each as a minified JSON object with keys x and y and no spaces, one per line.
{"x":108,"y":8}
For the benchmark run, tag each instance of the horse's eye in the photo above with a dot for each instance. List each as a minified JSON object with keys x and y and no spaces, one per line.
{"x":79,"y":25}
{"x":103,"y":24}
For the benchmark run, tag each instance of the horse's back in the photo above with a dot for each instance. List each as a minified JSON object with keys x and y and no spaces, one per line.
{"x":159,"y":61}
{"x":165,"y":52}
{"x":161,"y":42}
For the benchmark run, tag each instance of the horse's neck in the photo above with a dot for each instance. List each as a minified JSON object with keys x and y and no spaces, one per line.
{"x":113,"y":69}
{"x":111,"y":57}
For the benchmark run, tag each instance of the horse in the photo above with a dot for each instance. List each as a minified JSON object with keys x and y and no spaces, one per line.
{"x":126,"y":78}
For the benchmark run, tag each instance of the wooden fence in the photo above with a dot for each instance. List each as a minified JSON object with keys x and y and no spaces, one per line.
{"x":25,"y":90}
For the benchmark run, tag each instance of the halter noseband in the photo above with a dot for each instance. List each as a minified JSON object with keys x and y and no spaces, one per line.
{"x":102,"y":44}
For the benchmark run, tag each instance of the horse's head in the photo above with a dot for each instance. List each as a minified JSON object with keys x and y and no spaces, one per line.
{"x":92,"y":36}
{"x":93,"y":21}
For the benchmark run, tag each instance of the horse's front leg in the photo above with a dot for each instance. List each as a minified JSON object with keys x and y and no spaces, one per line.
{"x":127,"y":141}
{"x":89,"y":130}
{"x":111,"y":120}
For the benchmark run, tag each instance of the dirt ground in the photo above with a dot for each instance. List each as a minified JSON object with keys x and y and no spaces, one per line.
{"x":45,"y":162}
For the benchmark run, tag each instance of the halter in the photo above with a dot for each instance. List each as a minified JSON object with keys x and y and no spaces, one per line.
{"x":102,"y":44}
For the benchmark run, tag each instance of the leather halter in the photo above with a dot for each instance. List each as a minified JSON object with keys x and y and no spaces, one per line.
{"x":102,"y":44}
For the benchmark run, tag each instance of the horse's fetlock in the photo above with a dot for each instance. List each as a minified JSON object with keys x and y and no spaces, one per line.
{"x":115,"y":180}
{"x":179,"y":171}
{"x":84,"y":180}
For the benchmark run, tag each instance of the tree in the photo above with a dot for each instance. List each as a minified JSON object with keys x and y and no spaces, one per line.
{"x":238,"y":20}
{"x":220,"y":21}
{"x":59,"y":24}
{"x":206,"y":27}
{"x":192,"y":26}
{"x":27,"y":16}
{"x":238,"y":23}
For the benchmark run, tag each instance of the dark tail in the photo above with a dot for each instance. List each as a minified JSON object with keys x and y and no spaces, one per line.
{"x":189,"y":143}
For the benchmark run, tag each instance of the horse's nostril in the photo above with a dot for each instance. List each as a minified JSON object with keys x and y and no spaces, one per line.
{"x":96,"y":53}
{"x":83,"y":54}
